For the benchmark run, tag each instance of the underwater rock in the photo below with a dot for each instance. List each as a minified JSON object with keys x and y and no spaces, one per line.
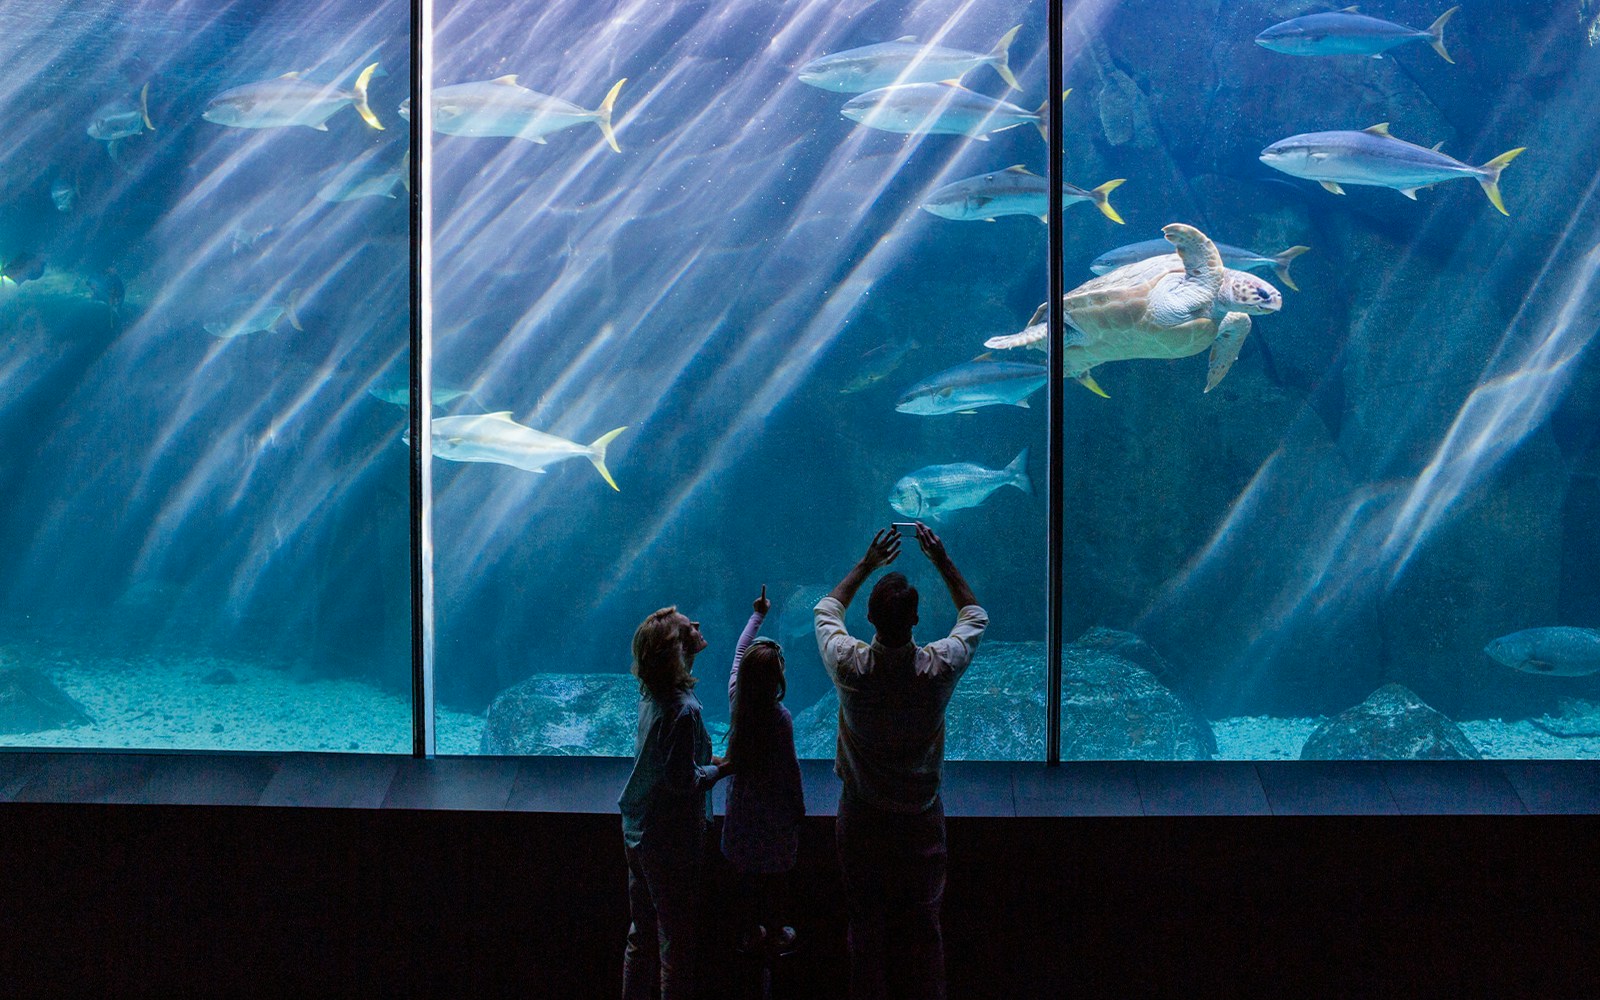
{"x":29,"y":702}
{"x":564,"y":715}
{"x":1392,"y":724}
{"x":1113,"y":708}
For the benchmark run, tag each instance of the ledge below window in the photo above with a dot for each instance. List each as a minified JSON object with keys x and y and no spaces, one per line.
{"x":971,"y":789}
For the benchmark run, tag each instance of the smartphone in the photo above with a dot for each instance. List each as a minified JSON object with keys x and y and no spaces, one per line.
{"x":906,"y":527}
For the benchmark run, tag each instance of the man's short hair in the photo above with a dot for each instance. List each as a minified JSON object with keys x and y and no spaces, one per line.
{"x":893,"y":605}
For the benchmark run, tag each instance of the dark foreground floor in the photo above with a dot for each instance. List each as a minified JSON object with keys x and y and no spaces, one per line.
{"x":122,"y":900}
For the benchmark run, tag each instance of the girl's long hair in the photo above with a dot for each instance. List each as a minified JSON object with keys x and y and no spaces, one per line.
{"x":755,"y":700}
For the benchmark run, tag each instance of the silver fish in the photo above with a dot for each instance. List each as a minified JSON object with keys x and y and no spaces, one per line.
{"x":904,"y":60}
{"x":1348,"y":33}
{"x":248,"y":314}
{"x":288,"y":101}
{"x":1016,"y":190}
{"x":64,"y":194}
{"x":495,"y":437}
{"x":366,"y":177}
{"x":981,"y":382}
{"x":943,"y":108}
{"x":400,"y":395}
{"x":1559,"y":651}
{"x":1234,"y":257}
{"x":121,"y":118}
{"x":935,"y":490}
{"x":879,"y":363}
{"x":1374,"y":157}
{"x":500,"y":107}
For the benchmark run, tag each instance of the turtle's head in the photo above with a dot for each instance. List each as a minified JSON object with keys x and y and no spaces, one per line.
{"x":1243,"y":292}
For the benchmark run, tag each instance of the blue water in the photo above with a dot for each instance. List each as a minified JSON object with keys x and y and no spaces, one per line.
{"x":1401,"y":466}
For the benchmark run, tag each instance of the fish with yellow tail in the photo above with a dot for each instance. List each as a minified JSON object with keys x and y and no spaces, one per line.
{"x":1013,"y":191}
{"x":1374,"y":157}
{"x":289,"y":101}
{"x":495,"y":437}
{"x":502,"y":107}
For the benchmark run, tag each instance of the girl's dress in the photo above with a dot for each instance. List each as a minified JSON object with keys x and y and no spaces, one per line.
{"x":761,"y":832}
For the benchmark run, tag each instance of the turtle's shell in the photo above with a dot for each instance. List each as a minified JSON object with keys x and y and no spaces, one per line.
{"x":1111,"y":313}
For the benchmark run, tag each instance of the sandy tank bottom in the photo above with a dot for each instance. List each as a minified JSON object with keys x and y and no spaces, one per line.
{"x":173,"y":702}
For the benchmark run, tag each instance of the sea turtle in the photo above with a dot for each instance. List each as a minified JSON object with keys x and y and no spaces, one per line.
{"x":1164,"y":307}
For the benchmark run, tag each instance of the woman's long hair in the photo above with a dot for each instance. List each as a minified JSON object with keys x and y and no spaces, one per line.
{"x":755,"y":700}
{"x":658,"y":657}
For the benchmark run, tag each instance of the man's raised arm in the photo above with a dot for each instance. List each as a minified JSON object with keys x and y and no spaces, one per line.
{"x":933,"y":548}
{"x":885,"y":548}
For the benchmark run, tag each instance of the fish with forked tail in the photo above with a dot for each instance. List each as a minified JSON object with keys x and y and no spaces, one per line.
{"x":943,"y":108}
{"x":1350,"y":33}
{"x":1015,"y":190}
{"x":904,"y":60}
{"x":502,"y":107}
{"x":1374,"y":157}
{"x":495,"y":437}
{"x":934,"y":491}
{"x":288,"y":101}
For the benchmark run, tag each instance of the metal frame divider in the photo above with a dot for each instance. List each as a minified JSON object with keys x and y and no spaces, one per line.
{"x":421,"y":357}
{"x":1056,"y":469}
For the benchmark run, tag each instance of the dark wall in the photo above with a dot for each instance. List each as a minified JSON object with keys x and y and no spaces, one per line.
{"x":124,"y":901}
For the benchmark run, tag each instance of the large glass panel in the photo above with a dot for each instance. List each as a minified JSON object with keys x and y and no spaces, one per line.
{"x":1341,"y":549}
{"x":203,"y":328}
{"x":698,"y":269}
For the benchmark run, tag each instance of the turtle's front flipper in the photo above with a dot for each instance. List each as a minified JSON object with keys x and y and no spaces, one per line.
{"x":1225,"y":349}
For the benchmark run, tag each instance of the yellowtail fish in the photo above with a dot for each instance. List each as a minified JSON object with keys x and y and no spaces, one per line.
{"x":1374,"y":157}
{"x":289,"y":100}
{"x":367,"y":176}
{"x":501,"y":107}
{"x":943,"y":108}
{"x":980,"y":382}
{"x":1015,"y":191}
{"x":1350,"y":33}
{"x":904,"y":60}
{"x":495,"y":437}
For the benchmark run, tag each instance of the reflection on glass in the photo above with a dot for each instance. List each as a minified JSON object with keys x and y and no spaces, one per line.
{"x":202,"y":316}
{"x":1371,"y":534}
{"x":710,"y":283}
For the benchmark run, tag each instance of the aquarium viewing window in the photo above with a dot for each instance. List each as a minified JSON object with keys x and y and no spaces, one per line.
{"x":1252,"y":392}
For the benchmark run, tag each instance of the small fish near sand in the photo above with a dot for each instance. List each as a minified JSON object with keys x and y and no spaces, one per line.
{"x":904,"y":60}
{"x":878,"y":364}
{"x":935,"y":491}
{"x":1016,"y":190}
{"x":980,"y":382}
{"x":1235,"y":257}
{"x":1556,"y":651}
{"x":289,"y":101}
{"x":495,"y":437}
{"x":1348,"y":32}
{"x":502,"y":107}
{"x":941,"y":108}
{"x":1374,"y":157}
